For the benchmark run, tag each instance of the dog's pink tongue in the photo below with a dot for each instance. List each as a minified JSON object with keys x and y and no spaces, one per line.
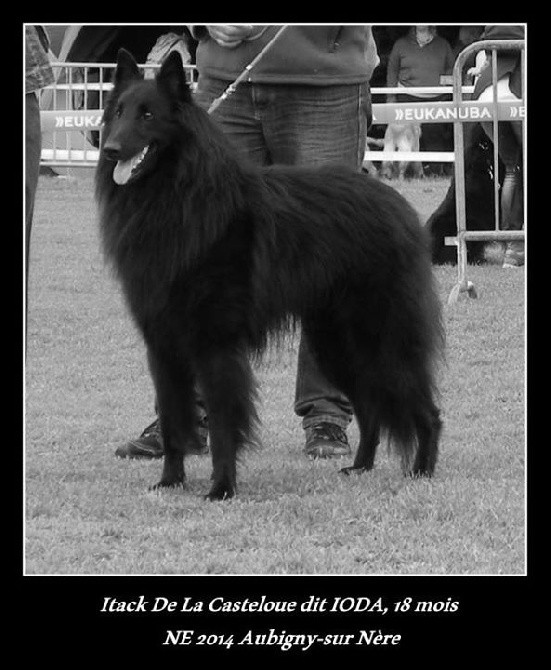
{"x":122,"y":172}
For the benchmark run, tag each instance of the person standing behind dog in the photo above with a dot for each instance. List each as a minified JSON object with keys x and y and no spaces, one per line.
{"x":38,"y":75}
{"x":420,"y":58}
{"x":510,"y":143}
{"x":306,"y":102}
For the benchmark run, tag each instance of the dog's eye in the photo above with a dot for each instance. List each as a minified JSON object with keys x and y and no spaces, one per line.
{"x":146,"y":116}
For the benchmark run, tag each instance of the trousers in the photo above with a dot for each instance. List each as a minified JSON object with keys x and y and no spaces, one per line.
{"x":298,"y":125}
{"x":510,"y":143}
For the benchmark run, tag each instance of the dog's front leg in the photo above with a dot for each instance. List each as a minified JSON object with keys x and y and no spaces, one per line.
{"x":228,"y":386}
{"x":174,"y":385}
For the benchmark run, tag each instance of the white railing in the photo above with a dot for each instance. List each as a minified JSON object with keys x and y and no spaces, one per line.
{"x":72,"y":111}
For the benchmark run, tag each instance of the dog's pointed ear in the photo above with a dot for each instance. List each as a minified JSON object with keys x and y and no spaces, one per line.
{"x":127,"y":68}
{"x":172,"y":77}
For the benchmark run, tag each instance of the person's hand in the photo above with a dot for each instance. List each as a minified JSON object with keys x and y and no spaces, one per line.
{"x":230,"y":36}
{"x":481,"y":64}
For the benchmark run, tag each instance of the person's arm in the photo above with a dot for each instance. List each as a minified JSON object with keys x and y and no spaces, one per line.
{"x":481,"y":61}
{"x":448,"y":59}
{"x":393,"y":67}
{"x":228,"y":36}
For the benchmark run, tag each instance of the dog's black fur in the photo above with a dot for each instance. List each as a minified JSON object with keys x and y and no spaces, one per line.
{"x":215,"y":254}
{"x":479,"y":200}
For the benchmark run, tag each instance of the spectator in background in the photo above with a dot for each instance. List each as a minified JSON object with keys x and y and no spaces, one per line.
{"x":510,"y":142}
{"x":420,"y":58}
{"x":307,"y":102}
{"x":467,"y":35}
{"x":38,"y":75}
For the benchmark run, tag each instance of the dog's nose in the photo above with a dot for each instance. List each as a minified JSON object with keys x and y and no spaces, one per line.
{"x":112,"y":150}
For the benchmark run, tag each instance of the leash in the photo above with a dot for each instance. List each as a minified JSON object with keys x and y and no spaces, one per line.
{"x":231,"y":88}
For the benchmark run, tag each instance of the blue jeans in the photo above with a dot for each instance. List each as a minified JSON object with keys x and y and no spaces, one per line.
{"x":298,"y":125}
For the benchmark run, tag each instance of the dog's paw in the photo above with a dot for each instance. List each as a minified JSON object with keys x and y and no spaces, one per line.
{"x":221,"y":491}
{"x":418,"y":473}
{"x":167,"y":484}
{"x":351,"y":470}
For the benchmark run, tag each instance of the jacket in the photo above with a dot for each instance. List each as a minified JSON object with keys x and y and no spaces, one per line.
{"x":320,"y":55}
{"x":411,"y":65}
{"x":38,"y":71}
{"x":508,"y":62}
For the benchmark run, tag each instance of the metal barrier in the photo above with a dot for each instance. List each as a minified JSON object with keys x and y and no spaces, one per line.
{"x":72,"y":112}
{"x":394,"y":113}
{"x":74,"y":102}
{"x":516,"y":113}
{"x":71,"y":117}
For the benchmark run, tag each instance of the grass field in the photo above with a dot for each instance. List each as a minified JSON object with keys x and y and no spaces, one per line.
{"x":88,"y":389}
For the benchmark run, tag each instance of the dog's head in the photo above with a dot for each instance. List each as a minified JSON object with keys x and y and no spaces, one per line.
{"x":141,"y":116}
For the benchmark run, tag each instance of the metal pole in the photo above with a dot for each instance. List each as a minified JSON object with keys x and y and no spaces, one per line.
{"x":460,"y":194}
{"x":495,"y":135}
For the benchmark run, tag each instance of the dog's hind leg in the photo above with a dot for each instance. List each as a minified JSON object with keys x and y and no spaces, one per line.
{"x":228,"y":389}
{"x":174,"y":386}
{"x":369,"y":427}
{"x":341,"y":359}
{"x":429,"y":426}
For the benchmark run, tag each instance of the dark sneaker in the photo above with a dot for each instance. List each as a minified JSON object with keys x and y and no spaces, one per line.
{"x":326,"y":440}
{"x":150,"y":442}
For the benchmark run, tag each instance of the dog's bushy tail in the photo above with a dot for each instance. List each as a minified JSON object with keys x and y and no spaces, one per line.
{"x":409,"y":341}
{"x":411,"y":418}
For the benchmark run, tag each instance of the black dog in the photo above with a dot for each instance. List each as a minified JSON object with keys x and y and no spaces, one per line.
{"x":215,"y":254}
{"x":479,"y":200}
